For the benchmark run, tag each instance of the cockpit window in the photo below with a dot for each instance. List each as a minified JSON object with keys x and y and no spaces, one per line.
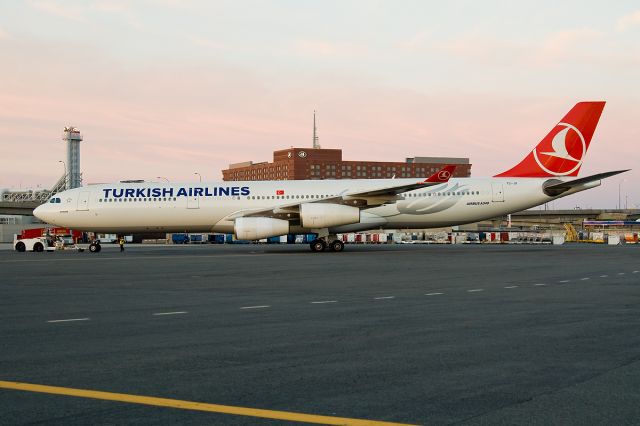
{"x":55,"y":200}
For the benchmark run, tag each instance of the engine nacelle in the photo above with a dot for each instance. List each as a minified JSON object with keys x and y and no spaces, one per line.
{"x":324,"y":215}
{"x":255,"y":228}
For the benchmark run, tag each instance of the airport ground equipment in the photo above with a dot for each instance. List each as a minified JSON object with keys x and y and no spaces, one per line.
{"x":571,"y":236}
{"x":38,"y":244}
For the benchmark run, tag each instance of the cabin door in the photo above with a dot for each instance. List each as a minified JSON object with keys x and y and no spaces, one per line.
{"x":498,"y":192}
{"x":193,"y":202}
{"x":83,"y":201}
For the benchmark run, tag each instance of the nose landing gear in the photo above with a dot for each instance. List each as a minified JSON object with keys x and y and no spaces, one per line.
{"x":95,"y":247}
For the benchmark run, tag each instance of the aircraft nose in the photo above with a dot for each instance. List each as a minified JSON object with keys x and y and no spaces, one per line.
{"x":40,"y":212}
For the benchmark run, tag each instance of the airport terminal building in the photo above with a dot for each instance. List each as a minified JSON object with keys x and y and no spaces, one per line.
{"x":318,"y":163}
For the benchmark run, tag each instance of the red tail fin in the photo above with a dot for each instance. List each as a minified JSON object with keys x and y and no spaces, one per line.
{"x":442,"y":175}
{"x":562,"y":151}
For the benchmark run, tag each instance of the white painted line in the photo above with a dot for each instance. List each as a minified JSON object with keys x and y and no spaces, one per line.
{"x":433,"y":294}
{"x":585,"y":279}
{"x":475,"y":290}
{"x":171,"y":313}
{"x":539,"y":284}
{"x":324,"y":301}
{"x":70,"y":319}
{"x":256,"y":307}
{"x":635,"y":272}
{"x":564,"y":281}
{"x":384,"y":297}
{"x":511,"y":286}
{"x":604,"y":276}
{"x":620,"y":273}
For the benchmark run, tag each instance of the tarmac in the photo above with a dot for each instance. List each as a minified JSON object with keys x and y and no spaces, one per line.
{"x":418,"y":334}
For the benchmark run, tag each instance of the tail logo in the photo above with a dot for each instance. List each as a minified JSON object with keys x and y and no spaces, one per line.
{"x":444,"y":175}
{"x":566,"y":154}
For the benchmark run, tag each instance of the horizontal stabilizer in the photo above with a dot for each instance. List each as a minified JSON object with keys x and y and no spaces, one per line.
{"x":555,"y":187}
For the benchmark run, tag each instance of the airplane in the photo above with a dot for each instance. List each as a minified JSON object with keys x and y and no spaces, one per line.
{"x":262,"y":209}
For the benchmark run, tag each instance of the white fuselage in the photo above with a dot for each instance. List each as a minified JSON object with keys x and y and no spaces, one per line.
{"x":204,"y":207}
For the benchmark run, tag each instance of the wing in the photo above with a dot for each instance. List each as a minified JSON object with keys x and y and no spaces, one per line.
{"x":363,"y":199}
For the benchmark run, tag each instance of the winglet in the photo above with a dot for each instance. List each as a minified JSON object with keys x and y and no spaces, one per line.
{"x":441,"y":176}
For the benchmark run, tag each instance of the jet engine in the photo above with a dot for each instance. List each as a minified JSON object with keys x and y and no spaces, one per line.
{"x":254,"y":228}
{"x":324,"y":215}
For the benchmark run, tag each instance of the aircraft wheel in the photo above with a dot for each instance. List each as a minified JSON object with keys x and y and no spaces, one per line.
{"x":317,"y":245}
{"x":95,"y":248}
{"x":21,"y":247}
{"x":38,"y":247}
{"x":337,"y":246}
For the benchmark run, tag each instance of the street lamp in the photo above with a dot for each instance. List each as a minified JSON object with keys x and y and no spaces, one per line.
{"x":619,"y":198}
{"x":162,"y":177}
{"x":65,"y":172}
{"x":199,"y":175}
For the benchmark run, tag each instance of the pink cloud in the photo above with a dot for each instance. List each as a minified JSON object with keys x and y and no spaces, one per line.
{"x":324,"y":48}
{"x":557,"y":48}
{"x":628,"y":21}
{"x":58,"y":9}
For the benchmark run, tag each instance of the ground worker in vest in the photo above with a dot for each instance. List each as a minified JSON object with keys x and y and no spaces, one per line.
{"x":121,"y":242}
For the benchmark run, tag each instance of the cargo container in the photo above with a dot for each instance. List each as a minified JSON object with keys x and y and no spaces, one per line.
{"x":180,"y":238}
{"x":460,"y":239}
{"x":613,"y":239}
{"x":215,"y":238}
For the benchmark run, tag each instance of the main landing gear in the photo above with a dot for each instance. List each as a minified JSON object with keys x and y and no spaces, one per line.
{"x":321,"y":244}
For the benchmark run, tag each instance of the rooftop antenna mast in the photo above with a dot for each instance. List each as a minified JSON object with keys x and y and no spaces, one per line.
{"x":316,"y":144}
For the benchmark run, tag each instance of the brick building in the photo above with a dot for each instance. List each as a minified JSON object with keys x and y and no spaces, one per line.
{"x":311,"y":163}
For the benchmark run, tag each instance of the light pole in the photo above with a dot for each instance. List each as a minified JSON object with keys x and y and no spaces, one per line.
{"x":619,"y":198}
{"x":65,"y":172}
{"x":162,"y":177}
{"x":199,"y":175}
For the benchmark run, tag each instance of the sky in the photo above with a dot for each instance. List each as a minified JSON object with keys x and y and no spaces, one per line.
{"x":168,"y":88}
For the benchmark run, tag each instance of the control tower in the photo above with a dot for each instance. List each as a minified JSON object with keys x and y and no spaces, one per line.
{"x":73,"y":137}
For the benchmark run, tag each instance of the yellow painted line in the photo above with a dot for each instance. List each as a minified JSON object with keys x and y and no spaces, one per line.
{"x":197,"y":406}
